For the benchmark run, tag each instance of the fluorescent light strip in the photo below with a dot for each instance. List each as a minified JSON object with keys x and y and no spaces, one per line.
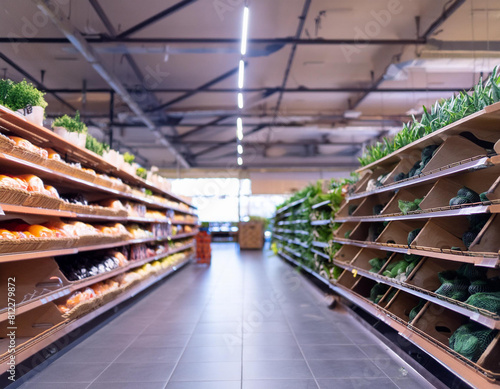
{"x":240,"y":149}
{"x":239,"y":129}
{"x":240,"y":161}
{"x":240,"y":100}
{"x":241,"y":74}
{"x":244,"y":34}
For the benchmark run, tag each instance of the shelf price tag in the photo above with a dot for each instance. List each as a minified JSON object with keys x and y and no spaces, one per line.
{"x":2,"y":213}
{"x":354,"y":273}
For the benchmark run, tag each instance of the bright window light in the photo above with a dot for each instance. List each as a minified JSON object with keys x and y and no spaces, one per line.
{"x":240,"y":149}
{"x":240,"y":161}
{"x":244,"y":34}
{"x":239,"y":129}
{"x":240,"y":100}
{"x":241,"y":75}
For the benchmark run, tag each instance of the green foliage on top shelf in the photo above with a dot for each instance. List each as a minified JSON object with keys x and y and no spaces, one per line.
{"x":129,"y":157}
{"x":441,"y":114}
{"x":142,"y":173}
{"x":20,"y":95}
{"x":71,"y":124}
{"x":94,"y":145}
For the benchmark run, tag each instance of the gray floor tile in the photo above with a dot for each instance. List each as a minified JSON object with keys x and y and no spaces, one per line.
{"x":213,"y":340}
{"x":345,"y":369}
{"x":60,"y":371}
{"x":219,"y":328}
{"x":88,"y":354}
{"x":266,"y":353}
{"x":280,"y":384}
{"x":207,"y":371}
{"x":53,"y":385}
{"x":265,"y":370}
{"x":160,"y":327}
{"x":211,"y":354}
{"x":204,"y":385}
{"x":357,"y":383}
{"x":162,"y":341}
{"x":362,"y":338}
{"x":374,"y":351}
{"x":332,"y":352}
{"x":266,"y":326}
{"x":150,"y":355}
{"x":126,"y":385}
{"x":137,"y":372}
{"x":393,"y":368}
{"x":269,"y":339}
{"x":106,"y":341}
{"x":305,"y":338}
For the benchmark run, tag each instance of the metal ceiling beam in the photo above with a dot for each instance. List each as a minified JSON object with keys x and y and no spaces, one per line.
{"x":153,"y":19}
{"x":72,"y":34}
{"x":444,"y":16}
{"x":265,"y":89}
{"x":37,"y":83}
{"x":250,"y":144}
{"x":203,"y":126}
{"x":192,"y":92}
{"x":217,"y":41}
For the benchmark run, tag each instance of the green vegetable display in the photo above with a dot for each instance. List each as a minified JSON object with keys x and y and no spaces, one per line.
{"x":21,"y":95}
{"x":409,"y":206}
{"x":129,"y":157}
{"x":71,"y":124}
{"x":378,"y":291}
{"x":142,"y":173}
{"x":412,"y":235}
{"x":440,"y":115}
{"x":471,"y":340}
{"x":94,"y":145}
{"x":415,"y":310}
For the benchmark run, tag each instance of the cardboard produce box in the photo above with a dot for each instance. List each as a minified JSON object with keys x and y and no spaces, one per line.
{"x":251,"y":235}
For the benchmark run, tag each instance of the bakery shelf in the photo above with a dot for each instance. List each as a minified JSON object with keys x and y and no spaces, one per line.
{"x":64,"y":329}
{"x":320,"y":222}
{"x":46,"y":138}
{"x":20,"y":210}
{"x":489,"y":322}
{"x":54,"y":253}
{"x":453,"y":211}
{"x":477,"y":260}
{"x":480,"y":163}
{"x":321,"y":204}
{"x":44,"y":299}
{"x":440,"y":354}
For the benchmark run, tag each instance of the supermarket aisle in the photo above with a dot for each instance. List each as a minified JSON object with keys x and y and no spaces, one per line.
{"x":249,"y":321}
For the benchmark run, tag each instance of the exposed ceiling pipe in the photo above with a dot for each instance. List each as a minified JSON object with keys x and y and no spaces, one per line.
{"x":74,"y":36}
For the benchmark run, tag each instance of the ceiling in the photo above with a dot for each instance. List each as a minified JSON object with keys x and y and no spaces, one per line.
{"x":314,"y":96}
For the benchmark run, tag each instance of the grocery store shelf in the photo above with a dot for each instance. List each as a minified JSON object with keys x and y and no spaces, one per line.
{"x":322,"y":204}
{"x":292,"y":251}
{"x":46,"y":138}
{"x":432,"y":348}
{"x":323,"y":245}
{"x":290,"y":222}
{"x":432,"y":253}
{"x":320,"y":222}
{"x":297,"y":202}
{"x":76,"y":285}
{"x":301,"y":232}
{"x":10,"y":210}
{"x":64,"y":329}
{"x":320,"y":254}
{"x":469,"y":165}
{"x":488,"y":321}
{"x":456,"y":211}
{"x":54,"y":253}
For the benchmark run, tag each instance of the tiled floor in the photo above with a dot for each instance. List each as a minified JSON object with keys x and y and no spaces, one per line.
{"x":249,"y":321}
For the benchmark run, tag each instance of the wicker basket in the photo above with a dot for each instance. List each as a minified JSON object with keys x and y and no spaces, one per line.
{"x":56,"y":243}
{"x":82,"y":309}
{"x":13,"y":196}
{"x":58,"y":166}
{"x":27,"y":155}
{"x":77,"y":208}
{"x":83,"y":175}
{"x":88,"y":240}
{"x":6,"y":145}
{"x":103,"y":182}
{"x":41,"y":200}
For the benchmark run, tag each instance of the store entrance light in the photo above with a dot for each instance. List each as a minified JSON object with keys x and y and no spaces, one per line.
{"x":241,"y":74}
{"x":244,"y":34}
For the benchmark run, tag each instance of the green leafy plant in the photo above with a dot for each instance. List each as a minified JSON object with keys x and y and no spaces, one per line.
{"x":71,"y":124}
{"x":148,"y":192}
{"x":129,"y":157}
{"x":142,"y":173}
{"x":23,"y":94}
{"x":5,"y":88}
{"x":94,"y":145}
{"x":440,"y":115}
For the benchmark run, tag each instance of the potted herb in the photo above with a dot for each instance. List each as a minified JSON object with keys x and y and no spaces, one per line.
{"x":5,"y":88}
{"x":142,"y":173}
{"x":24,"y":98}
{"x":97,"y":147}
{"x":72,"y":129}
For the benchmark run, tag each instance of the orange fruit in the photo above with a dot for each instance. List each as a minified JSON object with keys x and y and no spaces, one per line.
{"x":41,"y":231}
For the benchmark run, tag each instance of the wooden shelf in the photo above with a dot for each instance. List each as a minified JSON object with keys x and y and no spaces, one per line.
{"x":55,"y":253}
{"x":76,"y":285}
{"x":476,"y":260}
{"x":456,"y":211}
{"x":46,"y":138}
{"x":480,"y":163}
{"x":66,"y":328}
{"x":440,"y":354}
{"x":487,"y":118}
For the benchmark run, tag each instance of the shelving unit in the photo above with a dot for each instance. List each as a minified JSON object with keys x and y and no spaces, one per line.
{"x":373,"y":226}
{"x":41,"y":265}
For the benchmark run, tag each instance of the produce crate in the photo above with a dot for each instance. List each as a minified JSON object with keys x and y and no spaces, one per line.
{"x":203,"y":248}
{"x":251,"y":235}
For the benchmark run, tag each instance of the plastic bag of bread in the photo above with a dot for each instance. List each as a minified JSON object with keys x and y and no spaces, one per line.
{"x":35,"y":184}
